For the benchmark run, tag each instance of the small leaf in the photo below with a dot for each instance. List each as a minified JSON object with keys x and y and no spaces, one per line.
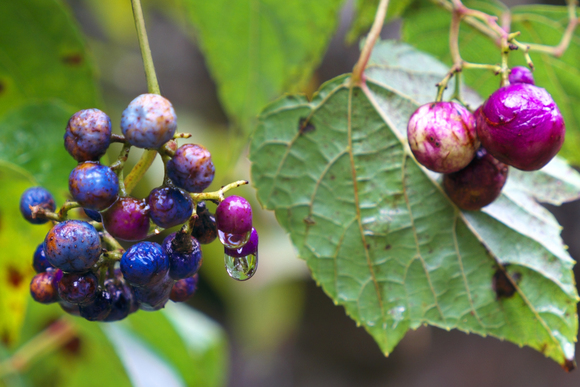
{"x":383,"y":240}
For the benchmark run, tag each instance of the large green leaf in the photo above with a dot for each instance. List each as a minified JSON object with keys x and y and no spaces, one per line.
{"x":384,"y":241}
{"x":426,"y":27}
{"x":258,"y":49}
{"x":43,"y":56}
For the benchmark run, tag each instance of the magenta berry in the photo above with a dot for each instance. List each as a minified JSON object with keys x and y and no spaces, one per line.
{"x":88,"y":135}
{"x":521,"y":74}
{"x":36,"y":196}
{"x":191,"y":168}
{"x":93,"y":185}
{"x":169,"y":206}
{"x":520,"y":125}
{"x":127,"y":219}
{"x":234,"y":221}
{"x":149,"y":121}
{"x":478,"y":184}
{"x":442,"y":136}
{"x":73,"y":246}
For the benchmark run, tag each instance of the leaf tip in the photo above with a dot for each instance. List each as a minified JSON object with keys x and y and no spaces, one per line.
{"x":569,"y":365}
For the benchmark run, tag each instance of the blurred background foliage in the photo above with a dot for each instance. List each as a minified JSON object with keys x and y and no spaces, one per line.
{"x":219,"y":62}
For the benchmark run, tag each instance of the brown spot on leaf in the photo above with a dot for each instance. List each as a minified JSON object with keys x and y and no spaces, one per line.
{"x":309,"y":220}
{"x":14,"y":277}
{"x":72,"y":59}
{"x":305,"y":126}
{"x":502,"y":285}
{"x":2,"y":87}
{"x":569,"y":365}
{"x":5,"y":338}
{"x":387,"y":247}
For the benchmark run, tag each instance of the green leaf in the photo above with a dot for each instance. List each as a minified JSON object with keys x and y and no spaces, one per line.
{"x":31,"y":136}
{"x":384,"y":241}
{"x":43,"y":56}
{"x":258,"y":49}
{"x":426,"y":27}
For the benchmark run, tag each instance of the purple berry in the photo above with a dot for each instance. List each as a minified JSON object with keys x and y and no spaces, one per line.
{"x":154,"y":296}
{"x":184,"y":255}
{"x":191,"y":168}
{"x":204,"y":228}
{"x":122,"y":298}
{"x":78,"y":288}
{"x":145,"y":263}
{"x":149,"y":121}
{"x":93,"y":185}
{"x":521,"y":74}
{"x":520,"y":125}
{"x":169,"y":206}
{"x":36,"y":196}
{"x":99,"y":309}
{"x":442,"y":136}
{"x":233,"y":218}
{"x":44,"y":286}
{"x":251,"y":247}
{"x":72,"y":309}
{"x":39,"y":261}
{"x":127,"y":219}
{"x":88,"y":135}
{"x":183,"y":289}
{"x":73,"y":246}
{"x":478,"y":184}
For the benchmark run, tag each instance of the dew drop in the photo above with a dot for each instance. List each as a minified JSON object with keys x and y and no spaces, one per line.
{"x":233,"y":241}
{"x":241,"y":268}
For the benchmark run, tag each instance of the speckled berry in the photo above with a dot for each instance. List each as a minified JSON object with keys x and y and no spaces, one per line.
{"x":521,"y":74}
{"x":73,"y":246}
{"x":204,"y":228}
{"x":99,"y":308}
{"x":149,"y":121}
{"x":44,"y":286}
{"x":145,"y":263}
{"x":169,"y":206}
{"x":183,"y":289}
{"x":88,"y":135}
{"x":78,"y":288}
{"x":234,"y":221}
{"x":36,"y":196}
{"x":191,"y":168}
{"x":184,"y":254}
{"x":39,"y":261}
{"x":520,"y":125}
{"x":127,"y":219}
{"x":154,"y":296}
{"x":93,"y":185}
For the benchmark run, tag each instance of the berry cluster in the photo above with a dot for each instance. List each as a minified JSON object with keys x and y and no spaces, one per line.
{"x":519,"y":125}
{"x":82,"y":266}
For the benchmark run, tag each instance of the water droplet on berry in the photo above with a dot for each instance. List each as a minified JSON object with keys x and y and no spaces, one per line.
{"x":234,"y":241}
{"x":241,"y":268}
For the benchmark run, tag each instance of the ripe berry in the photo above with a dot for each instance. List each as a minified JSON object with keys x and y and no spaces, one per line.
{"x":184,"y":255}
{"x":520,"y":125}
{"x":73,"y":246}
{"x":127,"y":219}
{"x":88,"y":135}
{"x":78,"y":288}
{"x":169,"y":206}
{"x":36,"y":196}
{"x":92,"y":214}
{"x":251,"y":247}
{"x":149,"y":121}
{"x":204,"y":228}
{"x":521,"y":74}
{"x":145,"y":263}
{"x":44,"y":286}
{"x":183,"y":289}
{"x":154,"y":296}
{"x":122,"y":298}
{"x":234,"y":221}
{"x":191,"y":168}
{"x":442,"y":136}
{"x":478,"y":184}
{"x":99,"y":309}
{"x":72,"y":309}
{"x":39,"y":261}
{"x":93,"y":185}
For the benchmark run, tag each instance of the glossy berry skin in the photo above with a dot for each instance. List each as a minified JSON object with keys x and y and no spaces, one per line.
{"x":39,"y":261}
{"x":73,"y":246}
{"x":127,"y":219}
{"x":144,"y":264}
{"x":36,"y":196}
{"x":233,"y":218}
{"x":478,"y":184}
{"x":154,"y":296}
{"x":149,"y":121}
{"x":72,"y":309}
{"x":93,"y":215}
{"x":78,"y":288}
{"x":183,"y":289}
{"x":169,"y":206}
{"x":251,"y":247}
{"x":184,"y":255}
{"x":88,"y":135}
{"x":442,"y":136}
{"x":99,"y":309}
{"x":123,"y":300}
{"x":520,"y":125}
{"x":44,"y":286}
{"x":521,"y":74}
{"x":204,"y":228}
{"x":191,"y":168}
{"x":93,"y":185}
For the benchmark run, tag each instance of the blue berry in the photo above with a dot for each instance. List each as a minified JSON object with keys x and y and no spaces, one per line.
{"x":94,"y":215}
{"x":169,"y":206}
{"x":88,"y":135}
{"x":144,"y":263}
{"x":73,"y":246}
{"x":184,"y":255}
{"x":154,"y":296}
{"x":44,"y":286}
{"x":36,"y":196}
{"x":123,"y":300}
{"x":78,"y":288}
{"x":183,"y":289}
{"x":191,"y":168}
{"x":39,"y":261}
{"x":204,"y":228}
{"x":149,"y":121}
{"x":93,"y":185}
{"x":99,"y":309}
